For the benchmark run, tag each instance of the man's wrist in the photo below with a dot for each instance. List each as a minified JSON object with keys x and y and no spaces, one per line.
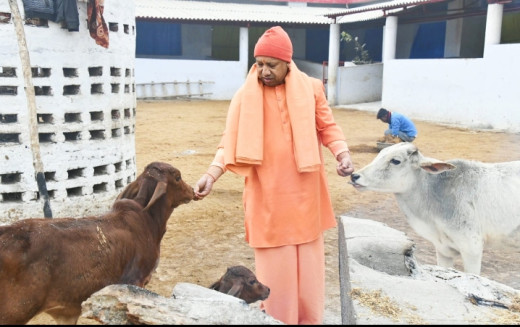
{"x":215,"y":172}
{"x":342,"y":155}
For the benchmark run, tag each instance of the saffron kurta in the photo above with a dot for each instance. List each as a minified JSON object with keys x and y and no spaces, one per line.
{"x":283,"y":206}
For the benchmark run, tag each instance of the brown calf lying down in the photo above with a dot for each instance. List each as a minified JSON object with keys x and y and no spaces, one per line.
{"x":241,"y":282}
{"x":53,"y":265}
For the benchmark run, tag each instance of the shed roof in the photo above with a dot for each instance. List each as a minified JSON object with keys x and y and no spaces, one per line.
{"x":232,"y":12}
{"x":375,"y":11}
{"x":209,"y":11}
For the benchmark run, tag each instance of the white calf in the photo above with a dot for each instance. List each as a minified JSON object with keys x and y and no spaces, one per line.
{"x":460,"y":206}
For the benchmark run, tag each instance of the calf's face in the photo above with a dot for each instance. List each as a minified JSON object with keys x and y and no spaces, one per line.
{"x":240,"y":282}
{"x":397,"y":169}
{"x":390,"y":171}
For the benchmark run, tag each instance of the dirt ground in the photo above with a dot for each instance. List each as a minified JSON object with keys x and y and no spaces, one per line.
{"x":205,"y":237}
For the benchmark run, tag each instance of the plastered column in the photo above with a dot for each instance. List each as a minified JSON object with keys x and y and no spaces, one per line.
{"x":332,"y":69}
{"x":493,"y":25}
{"x":389,"y":38}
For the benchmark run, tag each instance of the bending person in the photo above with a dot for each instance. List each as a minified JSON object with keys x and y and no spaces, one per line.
{"x":399,"y":126}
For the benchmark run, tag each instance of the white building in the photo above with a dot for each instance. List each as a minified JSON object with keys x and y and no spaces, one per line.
{"x":441,"y":61}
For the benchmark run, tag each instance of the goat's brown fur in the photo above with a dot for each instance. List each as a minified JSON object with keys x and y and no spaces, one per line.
{"x":53,"y":265}
{"x":241,"y":282}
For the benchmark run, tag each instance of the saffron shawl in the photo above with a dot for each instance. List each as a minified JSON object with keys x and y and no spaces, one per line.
{"x":243,"y":139}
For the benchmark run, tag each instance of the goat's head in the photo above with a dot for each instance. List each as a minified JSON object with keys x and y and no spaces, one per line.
{"x":241,"y":282}
{"x":157,"y":180}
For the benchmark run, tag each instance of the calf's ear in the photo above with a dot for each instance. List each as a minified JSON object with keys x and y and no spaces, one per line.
{"x":130,"y":191}
{"x":215,"y":286}
{"x":236,"y":289}
{"x":436,"y":167}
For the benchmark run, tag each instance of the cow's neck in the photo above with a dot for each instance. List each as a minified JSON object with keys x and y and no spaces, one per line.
{"x":413,"y":206}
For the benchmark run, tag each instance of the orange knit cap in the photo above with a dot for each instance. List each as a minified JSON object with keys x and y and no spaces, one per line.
{"x":275,"y":43}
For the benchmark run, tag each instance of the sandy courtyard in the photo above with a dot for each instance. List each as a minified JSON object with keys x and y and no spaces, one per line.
{"x":205,"y":237}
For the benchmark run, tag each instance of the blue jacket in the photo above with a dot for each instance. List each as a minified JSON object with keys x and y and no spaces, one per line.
{"x":401,"y":123}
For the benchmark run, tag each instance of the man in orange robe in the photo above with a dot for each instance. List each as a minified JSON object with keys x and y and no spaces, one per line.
{"x":276,"y":125}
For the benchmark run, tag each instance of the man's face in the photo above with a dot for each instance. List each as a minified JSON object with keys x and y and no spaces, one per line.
{"x":384,"y":119}
{"x":271,"y":71}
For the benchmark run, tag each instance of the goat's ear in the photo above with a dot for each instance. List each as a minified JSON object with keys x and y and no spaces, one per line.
{"x":236,"y":289}
{"x":160,"y":190}
{"x":130,"y":192}
{"x":215,"y":286}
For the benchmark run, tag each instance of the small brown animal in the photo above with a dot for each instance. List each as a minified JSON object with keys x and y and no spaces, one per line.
{"x":241,"y":282}
{"x":53,"y":265}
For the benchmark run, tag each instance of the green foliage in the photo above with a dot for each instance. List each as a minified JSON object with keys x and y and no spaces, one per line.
{"x":362,"y":56}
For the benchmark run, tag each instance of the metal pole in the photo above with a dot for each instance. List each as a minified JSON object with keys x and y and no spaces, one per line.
{"x":31,"y":104}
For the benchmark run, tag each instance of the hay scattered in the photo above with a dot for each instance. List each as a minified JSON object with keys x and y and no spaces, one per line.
{"x":515,"y":304}
{"x":383,"y":305}
{"x":506,"y":317}
{"x":377,"y":303}
{"x":511,"y":316}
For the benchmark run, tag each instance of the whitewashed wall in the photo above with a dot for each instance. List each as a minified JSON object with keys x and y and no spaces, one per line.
{"x":355,"y":83}
{"x":359,"y":83}
{"x":223,"y":77}
{"x":311,"y":68}
{"x":478,"y":93}
{"x":86,"y":115}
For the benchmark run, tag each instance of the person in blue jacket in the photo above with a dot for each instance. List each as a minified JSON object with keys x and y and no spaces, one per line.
{"x":398,"y":125}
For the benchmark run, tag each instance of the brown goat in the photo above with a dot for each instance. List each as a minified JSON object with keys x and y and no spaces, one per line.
{"x":53,"y":265}
{"x":241,"y":282}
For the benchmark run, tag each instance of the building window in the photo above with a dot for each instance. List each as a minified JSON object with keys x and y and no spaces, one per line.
{"x":158,"y":39}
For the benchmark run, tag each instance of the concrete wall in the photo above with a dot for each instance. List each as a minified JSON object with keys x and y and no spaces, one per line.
{"x":221,"y":79}
{"x":311,"y":68}
{"x":85,"y":103}
{"x":224,"y":77}
{"x":359,"y":83}
{"x":476,"y":93}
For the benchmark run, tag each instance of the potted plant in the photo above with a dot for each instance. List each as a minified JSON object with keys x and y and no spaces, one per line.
{"x":362,"y":56}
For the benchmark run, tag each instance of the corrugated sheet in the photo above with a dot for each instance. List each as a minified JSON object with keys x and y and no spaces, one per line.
{"x":240,"y":12}
{"x":234,"y":12}
{"x":375,"y":11}
{"x":361,"y":16}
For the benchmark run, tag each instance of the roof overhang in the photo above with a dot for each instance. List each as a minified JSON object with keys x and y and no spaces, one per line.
{"x":269,"y":14}
{"x":408,"y":11}
{"x":208,"y":11}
